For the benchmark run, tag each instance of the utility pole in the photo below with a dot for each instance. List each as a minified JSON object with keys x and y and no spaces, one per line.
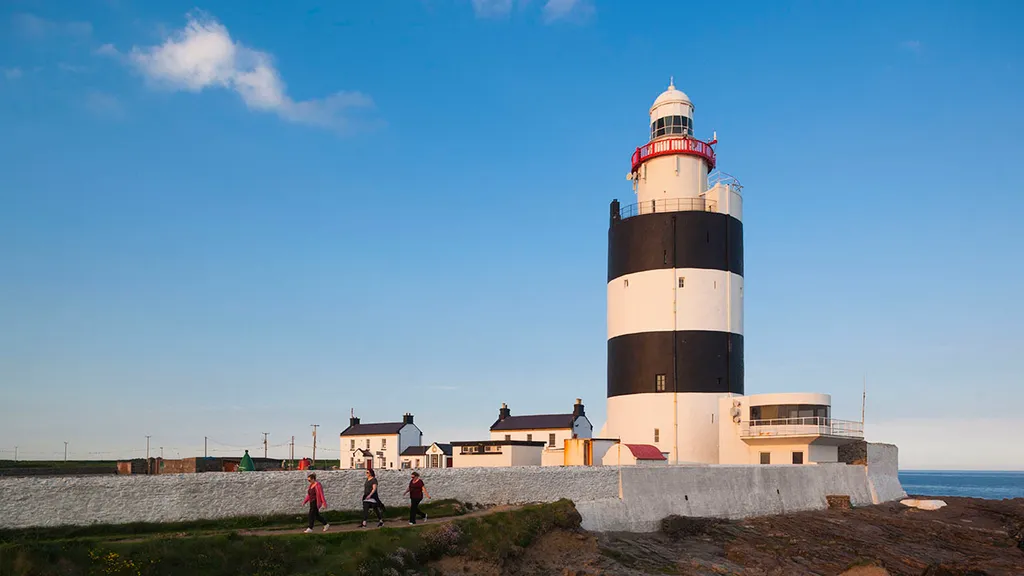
{"x":205,"y":451}
{"x":265,"y":443}
{"x":147,"y":453}
{"x":161,"y":452}
{"x":65,"y":452}
{"x":315,"y":426}
{"x":863,"y":402}
{"x":291,"y":452}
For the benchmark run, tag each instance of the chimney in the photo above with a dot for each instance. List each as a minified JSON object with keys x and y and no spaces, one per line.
{"x":577,"y":409}
{"x":407,"y":418}
{"x":353,"y":421}
{"x":504,"y":412}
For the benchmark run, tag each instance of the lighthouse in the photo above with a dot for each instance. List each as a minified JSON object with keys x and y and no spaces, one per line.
{"x":675,"y":292}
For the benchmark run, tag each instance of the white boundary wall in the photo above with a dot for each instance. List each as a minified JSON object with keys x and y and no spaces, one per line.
{"x":648,"y":493}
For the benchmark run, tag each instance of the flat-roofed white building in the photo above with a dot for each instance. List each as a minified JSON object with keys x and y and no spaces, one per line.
{"x":787,"y":428}
{"x":496,"y":453}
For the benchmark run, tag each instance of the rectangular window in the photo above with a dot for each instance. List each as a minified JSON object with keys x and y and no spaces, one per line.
{"x":657,"y":435}
{"x":659,"y":383}
{"x":383,"y":443}
{"x":551,"y":440}
{"x":508,"y":437}
{"x":682,"y":281}
{"x":367,"y":443}
{"x":626,"y":282}
{"x":352,"y":446}
{"x":529,"y":437}
{"x":433,"y":460}
{"x":766,"y":457}
{"x":798,"y":457}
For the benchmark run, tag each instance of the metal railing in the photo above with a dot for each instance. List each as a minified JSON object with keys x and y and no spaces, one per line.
{"x":811,"y":426}
{"x":688,"y":146}
{"x":718,"y":177}
{"x":668,"y":205}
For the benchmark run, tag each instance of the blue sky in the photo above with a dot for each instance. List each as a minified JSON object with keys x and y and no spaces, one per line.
{"x":219,"y":220}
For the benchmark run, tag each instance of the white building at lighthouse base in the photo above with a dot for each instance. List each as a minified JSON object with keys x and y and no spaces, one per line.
{"x":785,"y":428}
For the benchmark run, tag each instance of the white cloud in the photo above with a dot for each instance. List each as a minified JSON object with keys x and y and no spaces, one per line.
{"x":107,"y":50}
{"x":203,"y":55}
{"x":104,"y":104}
{"x":12,"y":73}
{"x":552,"y":11}
{"x":37,"y":27}
{"x":559,"y":9}
{"x":492,"y":8}
{"x":912,"y":45}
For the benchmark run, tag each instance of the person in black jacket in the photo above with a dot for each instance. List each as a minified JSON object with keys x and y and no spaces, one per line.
{"x":371,"y":499}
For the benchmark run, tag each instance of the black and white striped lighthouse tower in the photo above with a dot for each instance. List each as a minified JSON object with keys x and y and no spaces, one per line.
{"x":675,"y":292}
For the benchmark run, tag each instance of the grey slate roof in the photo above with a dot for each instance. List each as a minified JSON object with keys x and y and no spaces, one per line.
{"x":534,"y":422}
{"x":415,"y":451}
{"x":446,"y":449}
{"x":374,"y":429}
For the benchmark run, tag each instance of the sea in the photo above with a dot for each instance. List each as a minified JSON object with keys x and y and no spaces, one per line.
{"x":973,"y":484}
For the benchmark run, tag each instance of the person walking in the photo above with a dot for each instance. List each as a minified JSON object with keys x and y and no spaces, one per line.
{"x":416,"y":491}
{"x":316,"y":500}
{"x":371,"y":499}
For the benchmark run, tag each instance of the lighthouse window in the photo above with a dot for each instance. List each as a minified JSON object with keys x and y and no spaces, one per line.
{"x":657,"y":435}
{"x":670,"y":125}
{"x":682,"y":281}
{"x":659,"y":383}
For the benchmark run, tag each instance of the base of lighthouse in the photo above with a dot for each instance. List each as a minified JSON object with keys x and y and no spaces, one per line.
{"x":682,"y":425}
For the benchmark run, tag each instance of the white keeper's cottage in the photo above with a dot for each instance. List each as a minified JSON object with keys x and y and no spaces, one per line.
{"x":378,"y":445}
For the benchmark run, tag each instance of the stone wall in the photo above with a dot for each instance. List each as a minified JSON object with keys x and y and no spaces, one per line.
{"x":647,"y":493}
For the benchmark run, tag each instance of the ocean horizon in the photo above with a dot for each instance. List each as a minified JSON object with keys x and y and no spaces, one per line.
{"x":987,"y":484}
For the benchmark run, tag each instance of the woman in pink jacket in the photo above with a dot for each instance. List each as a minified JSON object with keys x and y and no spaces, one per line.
{"x":315,"y":497}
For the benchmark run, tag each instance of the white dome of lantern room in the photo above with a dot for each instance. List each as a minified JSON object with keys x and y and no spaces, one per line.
{"x":672,"y":114}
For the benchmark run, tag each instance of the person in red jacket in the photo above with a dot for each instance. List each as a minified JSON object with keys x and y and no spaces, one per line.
{"x":316,"y":500}
{"x":416,"y":491}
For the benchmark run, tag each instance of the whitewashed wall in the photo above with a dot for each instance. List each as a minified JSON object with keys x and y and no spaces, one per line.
{"x":648,"y":493}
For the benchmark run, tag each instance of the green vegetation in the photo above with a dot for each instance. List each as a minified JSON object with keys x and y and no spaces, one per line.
{"x":494,"y":538}
{"x":436,"y":509}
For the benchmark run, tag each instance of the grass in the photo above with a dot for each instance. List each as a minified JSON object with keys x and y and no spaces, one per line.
{"x":494,"y":538}
{"x":436,"y":509}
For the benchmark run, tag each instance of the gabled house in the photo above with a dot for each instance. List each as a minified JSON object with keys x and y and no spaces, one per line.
{"x":378,"y":445}
{"x":436,"y":455}
{"x":552,"y":429}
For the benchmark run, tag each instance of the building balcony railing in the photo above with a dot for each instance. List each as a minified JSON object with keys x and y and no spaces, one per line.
{"x":668,"y":205}
{"x":811,"y":426}
{"x":663,"y":146}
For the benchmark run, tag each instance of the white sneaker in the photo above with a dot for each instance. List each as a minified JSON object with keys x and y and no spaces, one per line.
{"x":307,"y":530}
{"x":326,"y":527}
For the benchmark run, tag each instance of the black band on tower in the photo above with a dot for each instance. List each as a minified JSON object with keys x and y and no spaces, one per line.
{"x":705,"y":362}
{"x":707,"y":240}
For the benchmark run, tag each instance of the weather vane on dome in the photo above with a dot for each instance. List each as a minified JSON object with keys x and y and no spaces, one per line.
{"x":671,"y":82}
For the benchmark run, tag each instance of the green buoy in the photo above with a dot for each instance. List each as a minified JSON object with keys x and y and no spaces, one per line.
{"x":246,"y":465}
